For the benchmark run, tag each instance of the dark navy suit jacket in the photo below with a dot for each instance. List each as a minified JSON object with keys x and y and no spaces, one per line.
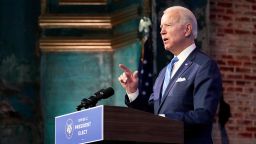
{"x":192,"y":96}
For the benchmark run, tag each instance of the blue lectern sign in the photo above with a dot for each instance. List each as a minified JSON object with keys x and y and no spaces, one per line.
{"x":80,"y":127}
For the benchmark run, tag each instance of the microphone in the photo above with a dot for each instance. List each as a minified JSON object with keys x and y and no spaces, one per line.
{"x":92,"y":100}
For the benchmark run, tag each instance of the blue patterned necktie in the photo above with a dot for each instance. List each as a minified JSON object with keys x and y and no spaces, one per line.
{"x":168,"y":73}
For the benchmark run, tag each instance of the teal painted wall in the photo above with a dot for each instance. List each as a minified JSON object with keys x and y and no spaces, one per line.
{"x":129,"y":56}
{"x":66,"y":78}
{"x":20,"y":107}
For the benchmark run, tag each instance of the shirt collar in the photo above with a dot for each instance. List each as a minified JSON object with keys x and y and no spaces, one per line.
{"x":185,"y":53}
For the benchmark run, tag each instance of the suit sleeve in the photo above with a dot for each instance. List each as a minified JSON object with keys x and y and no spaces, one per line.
{"x":206,"y":94}
{"x":141,"y":103}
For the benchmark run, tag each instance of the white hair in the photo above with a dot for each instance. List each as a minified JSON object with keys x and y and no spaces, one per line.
{"x":185,"y":16}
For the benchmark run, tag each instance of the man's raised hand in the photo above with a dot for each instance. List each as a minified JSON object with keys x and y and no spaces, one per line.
{"x":128,"y":79}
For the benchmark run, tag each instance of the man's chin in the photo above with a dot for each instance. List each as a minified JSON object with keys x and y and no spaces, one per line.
{"x":166,"y":48}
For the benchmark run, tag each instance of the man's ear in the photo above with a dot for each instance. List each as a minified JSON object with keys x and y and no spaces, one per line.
{"x":188,"y":30}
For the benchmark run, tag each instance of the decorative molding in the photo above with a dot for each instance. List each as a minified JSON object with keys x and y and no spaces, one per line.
{"x":73,"y":44}
{"x":124,"y":15}
{"x":88,"y":21}
{"x":82,"y":2}
{"x":124,"y":40}
{"x":75,"y":21}
{"x":82,"y":44}
{"x":51,"y":44}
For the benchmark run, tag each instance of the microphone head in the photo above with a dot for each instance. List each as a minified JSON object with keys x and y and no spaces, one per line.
{"x":108,"y":92}
{"x":99,"y":92}
{"x":92,"y":100}
{"x":104,"y":93}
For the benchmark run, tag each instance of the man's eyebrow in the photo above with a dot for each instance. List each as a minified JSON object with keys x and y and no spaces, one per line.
{"x":166,"y":24}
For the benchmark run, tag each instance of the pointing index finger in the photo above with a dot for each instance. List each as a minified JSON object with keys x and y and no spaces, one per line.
{"x":125,"y":69}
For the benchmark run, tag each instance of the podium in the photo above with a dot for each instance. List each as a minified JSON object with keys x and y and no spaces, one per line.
{"x":112,"y":124}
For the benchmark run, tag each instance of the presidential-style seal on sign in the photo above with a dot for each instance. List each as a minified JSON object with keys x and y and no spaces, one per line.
{"x":69,"y":128}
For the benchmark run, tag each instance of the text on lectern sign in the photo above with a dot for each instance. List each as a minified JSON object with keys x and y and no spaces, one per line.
{"x":80,"y":127}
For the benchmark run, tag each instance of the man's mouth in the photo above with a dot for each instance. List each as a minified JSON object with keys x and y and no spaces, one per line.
{"x":165,"y":39}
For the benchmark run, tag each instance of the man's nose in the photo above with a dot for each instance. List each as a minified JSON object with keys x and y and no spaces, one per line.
{"x":162,"y":32}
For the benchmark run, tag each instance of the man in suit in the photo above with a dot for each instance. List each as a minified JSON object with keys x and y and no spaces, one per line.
{"x":188,"y":88}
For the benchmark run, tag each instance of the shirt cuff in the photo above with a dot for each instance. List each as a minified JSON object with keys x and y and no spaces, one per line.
{"x":133,"y":96}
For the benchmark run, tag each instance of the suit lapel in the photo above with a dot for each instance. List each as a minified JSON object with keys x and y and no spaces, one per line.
{"x":185,"y":65}
{"x":157,"y":95}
